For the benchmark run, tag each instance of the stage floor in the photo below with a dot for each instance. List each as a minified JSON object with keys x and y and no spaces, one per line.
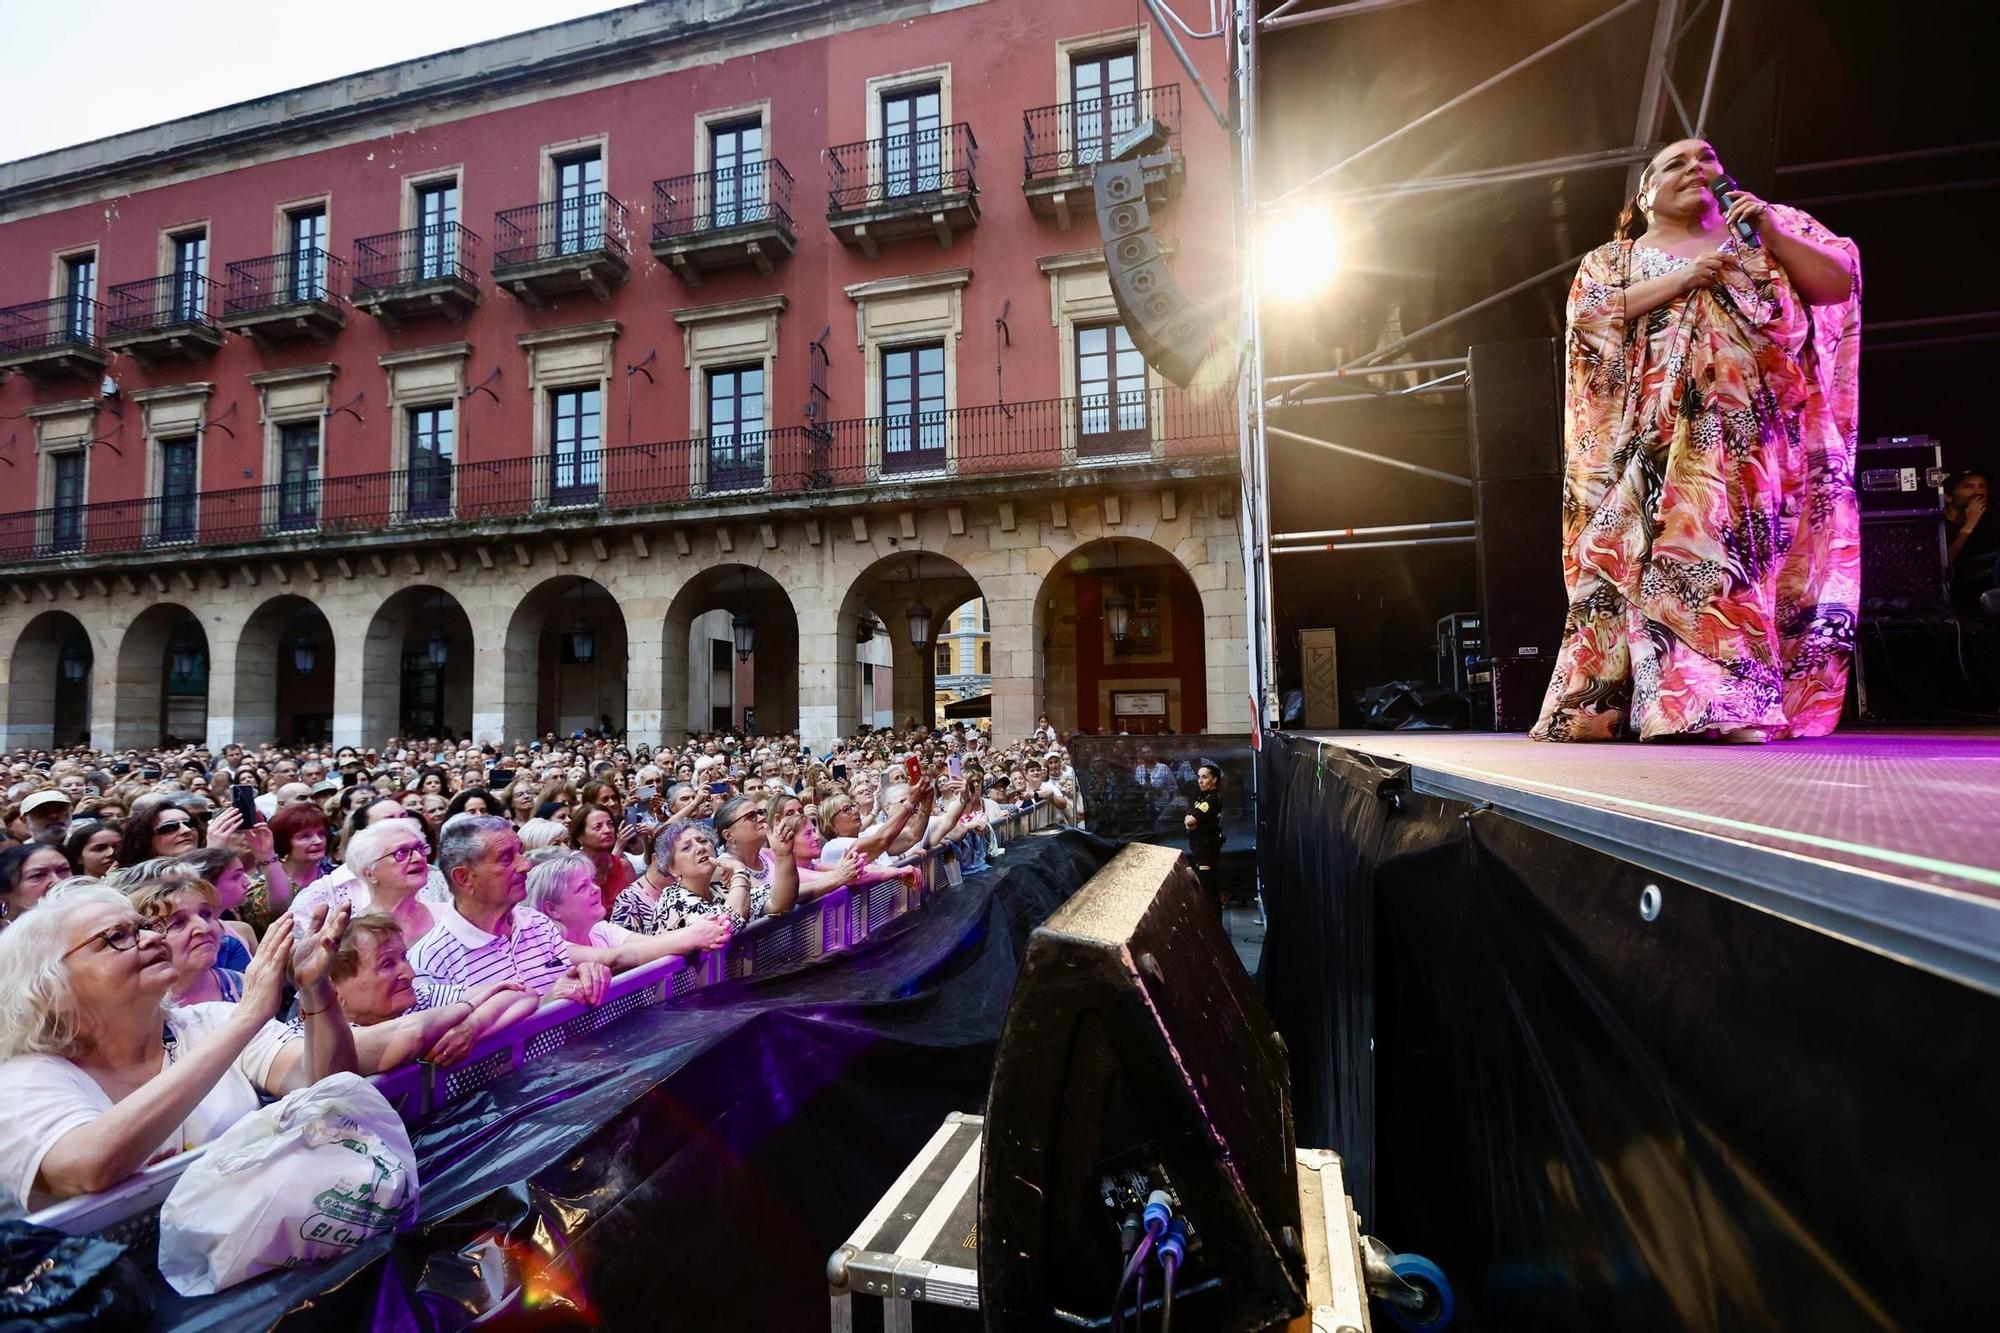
{"x":1890,"y":838}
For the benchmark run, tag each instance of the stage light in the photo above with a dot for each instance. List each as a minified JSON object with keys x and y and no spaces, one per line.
{"x":1299,"y":253}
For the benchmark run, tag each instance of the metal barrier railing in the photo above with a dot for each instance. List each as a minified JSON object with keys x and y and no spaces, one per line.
{"x":830,"y":924}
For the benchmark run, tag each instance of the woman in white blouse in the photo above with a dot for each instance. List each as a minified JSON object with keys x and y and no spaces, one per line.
{"x":100,"y":1075}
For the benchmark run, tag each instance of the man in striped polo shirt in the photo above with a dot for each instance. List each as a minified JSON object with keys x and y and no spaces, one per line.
{"x":485,"y":934}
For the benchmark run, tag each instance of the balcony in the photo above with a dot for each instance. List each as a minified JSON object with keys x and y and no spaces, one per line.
{"x":568,"y":245}
{"x":1055,"y":442}
{"x":905,"y":185}
{"x":52,"y":340}
{"x":165,"y":318}
{"x":1063,"y":144}
{"x":417,"y":274}
{"x":283,"y":298}
{"x":724,"y":219}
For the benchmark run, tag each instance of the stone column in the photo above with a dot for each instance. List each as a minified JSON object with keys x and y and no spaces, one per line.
{"x":353,"y":706}
{"x":828,"y":703}
{"x":1217,"y":568}
{"x":1017,"y":661}
{"x":647,"y":652}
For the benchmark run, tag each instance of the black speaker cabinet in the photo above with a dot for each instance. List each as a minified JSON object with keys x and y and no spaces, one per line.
{"x":1514,"y":402}
{"x":1136,"y":1056}
{"x":1171,"y":333}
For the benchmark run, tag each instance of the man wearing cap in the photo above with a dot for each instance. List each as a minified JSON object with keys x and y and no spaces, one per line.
{"x":47,"y":813}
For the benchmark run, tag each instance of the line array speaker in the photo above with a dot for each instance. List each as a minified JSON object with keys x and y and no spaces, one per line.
{"x":1172,"y":333}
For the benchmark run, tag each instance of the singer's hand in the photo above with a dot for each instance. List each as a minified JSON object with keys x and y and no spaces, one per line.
{"x":1747,"y":208}
{"x":1705,"y":270}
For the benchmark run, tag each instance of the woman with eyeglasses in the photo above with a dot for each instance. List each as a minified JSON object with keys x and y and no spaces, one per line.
{"x":388,"y":864}
{"x":744,"y":830}
{"x":102,"y":1074}
{"x":26,"y":873}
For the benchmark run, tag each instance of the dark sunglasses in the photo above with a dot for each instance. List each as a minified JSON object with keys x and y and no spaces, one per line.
{"x":173,"y":826}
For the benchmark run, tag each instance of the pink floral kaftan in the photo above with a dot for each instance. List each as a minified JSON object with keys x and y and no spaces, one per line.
{"x":1710,"y":533}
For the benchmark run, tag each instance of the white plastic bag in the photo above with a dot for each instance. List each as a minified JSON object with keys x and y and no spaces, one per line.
{"x":301,"y":1181}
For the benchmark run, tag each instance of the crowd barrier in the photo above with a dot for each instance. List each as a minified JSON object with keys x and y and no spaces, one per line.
{"x":828,"y":925}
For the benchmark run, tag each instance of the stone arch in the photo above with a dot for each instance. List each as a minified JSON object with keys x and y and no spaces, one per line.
{"x":1084,"y":672}
{"x":417,"y":666}
{"x":49,"y":684}
{"x":700,"y":616}
{"x":886,"y":590}
{"x":156,"y":695}
{"x":549,"y":687}
{"x":286,"y":664}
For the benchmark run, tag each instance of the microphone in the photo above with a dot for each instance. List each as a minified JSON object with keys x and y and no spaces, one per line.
{"x":1723,"y":186}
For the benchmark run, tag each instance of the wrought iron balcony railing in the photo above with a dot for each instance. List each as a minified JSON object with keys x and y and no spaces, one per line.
{"x":171,"y":300}
{"x":1029,"y":439}
{"x":577,"y":225}
{"x":686,"y":206}
{"x":66,"y":321}
{"x":273,"y":282}
{"x":880,"y":173}
{"x":1072,"y":137}
{"x":418,"y":255}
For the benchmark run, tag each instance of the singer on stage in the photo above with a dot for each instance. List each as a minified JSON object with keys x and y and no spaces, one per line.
{"x":1710,"y":534}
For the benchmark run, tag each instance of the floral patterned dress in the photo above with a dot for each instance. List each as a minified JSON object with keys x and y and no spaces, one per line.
{"x":1710,"y":534}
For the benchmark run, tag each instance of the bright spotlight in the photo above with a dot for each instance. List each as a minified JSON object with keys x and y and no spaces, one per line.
{"x":1299,"y":253}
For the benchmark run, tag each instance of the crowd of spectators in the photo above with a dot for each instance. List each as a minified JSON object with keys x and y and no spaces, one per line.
{"x":185,"y":933}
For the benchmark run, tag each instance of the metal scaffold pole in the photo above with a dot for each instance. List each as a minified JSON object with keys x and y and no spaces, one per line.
{"x":1256,"y":527}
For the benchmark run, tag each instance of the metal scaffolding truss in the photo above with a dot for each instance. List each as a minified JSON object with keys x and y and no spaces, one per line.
{"x":1673,"y":21}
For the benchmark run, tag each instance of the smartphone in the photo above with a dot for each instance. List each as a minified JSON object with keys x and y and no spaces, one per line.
{"x":838,"y":770}
{"x":645,"y":793}
{"x":914,"y":768}
{"x":955,"y":766}
{"x":244,"y":797}
{"x":717,"y":788}
{"x":349,"y":778}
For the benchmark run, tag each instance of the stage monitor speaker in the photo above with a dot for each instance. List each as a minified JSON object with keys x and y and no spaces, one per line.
{"x":1135,"y":1057}
{"x":1173,"y":334}
{"x":1514,"y":404}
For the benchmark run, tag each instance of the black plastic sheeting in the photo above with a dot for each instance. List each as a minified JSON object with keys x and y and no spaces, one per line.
{"x":694,"y":1167}
{"x":1719,"y":1120}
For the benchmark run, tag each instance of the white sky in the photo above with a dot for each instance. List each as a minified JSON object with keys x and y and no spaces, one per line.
{"x":83,"y":69}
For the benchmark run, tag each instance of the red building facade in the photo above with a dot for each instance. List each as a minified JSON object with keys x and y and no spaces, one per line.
{"x":798,"y":313}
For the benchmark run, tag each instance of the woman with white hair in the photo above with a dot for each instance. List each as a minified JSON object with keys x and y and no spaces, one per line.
{"x":100,"y":1075}
{"x":539,"y":833}
{"x":563,"y":887}
{"x":387,"y":865}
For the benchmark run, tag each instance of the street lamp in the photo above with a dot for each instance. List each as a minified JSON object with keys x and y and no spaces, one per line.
{"x":438,"y":647}
{"x":305,"y":655}
{"x":920,"y":611}
{"x":1117,"y":606}
{"x":920,"y":626}
{"x":741,"y":627}
{"x":582,"y":643}
{"x":73,"y":665}
{"x":184,"y":658}
{"x":1118,"y":611}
